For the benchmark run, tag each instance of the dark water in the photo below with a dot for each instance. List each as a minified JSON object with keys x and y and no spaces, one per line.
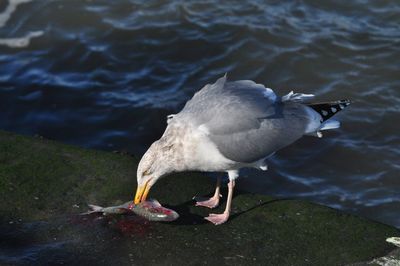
{"x":104,"y":74}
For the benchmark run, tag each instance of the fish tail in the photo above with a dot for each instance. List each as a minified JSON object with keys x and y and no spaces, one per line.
{"x":93,"y":209}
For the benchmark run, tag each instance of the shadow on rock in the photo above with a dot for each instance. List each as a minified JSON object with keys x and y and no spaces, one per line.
{"x":186,"y":216}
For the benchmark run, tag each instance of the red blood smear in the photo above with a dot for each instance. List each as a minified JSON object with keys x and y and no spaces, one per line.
{"x":166,"y":211}
{"x":127,"y":225}
{"x":133,"y":226}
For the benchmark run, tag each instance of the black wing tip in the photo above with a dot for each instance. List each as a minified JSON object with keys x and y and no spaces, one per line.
{"x":345,"y":101}
{"x":342,"y":103}
{"x":328,"y":109}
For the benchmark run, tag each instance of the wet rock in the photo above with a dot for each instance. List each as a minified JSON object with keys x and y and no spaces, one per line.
{"x":53,"y":182}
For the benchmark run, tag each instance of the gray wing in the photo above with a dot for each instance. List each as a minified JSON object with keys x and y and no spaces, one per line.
{"x":245,"y":120}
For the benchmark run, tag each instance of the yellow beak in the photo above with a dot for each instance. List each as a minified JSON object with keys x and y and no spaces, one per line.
{"x":141,"y":192}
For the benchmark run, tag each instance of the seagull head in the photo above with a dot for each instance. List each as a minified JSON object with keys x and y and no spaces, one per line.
{"x":154,"y":164}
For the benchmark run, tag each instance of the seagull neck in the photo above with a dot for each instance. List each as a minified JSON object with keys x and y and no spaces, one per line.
{"x":173,"y":145}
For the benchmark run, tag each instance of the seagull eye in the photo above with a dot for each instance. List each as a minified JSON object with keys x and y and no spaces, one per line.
{"x":147,"y":172}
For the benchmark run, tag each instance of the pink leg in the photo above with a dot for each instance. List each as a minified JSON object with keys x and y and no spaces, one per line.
{"x":211,"y":202}
{"x":223,"y":217}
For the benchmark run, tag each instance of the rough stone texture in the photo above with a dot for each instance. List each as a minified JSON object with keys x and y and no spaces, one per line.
{"x":44,"y":185}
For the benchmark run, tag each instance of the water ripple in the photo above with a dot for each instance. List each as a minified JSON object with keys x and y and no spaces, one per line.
{"x":115,"y":69}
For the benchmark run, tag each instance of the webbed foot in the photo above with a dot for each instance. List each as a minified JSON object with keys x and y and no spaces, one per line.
{"x":218,"y":219}
{"x":209,"y":203}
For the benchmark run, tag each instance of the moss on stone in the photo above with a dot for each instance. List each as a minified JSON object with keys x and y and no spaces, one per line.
{"x":40,"y":178}
{"x":43,"y":183}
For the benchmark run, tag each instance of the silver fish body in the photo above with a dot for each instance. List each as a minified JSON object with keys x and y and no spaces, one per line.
{"x":151,"y":210}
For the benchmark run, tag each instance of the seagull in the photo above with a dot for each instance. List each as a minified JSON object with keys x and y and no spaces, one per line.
{"x":227,"y":126}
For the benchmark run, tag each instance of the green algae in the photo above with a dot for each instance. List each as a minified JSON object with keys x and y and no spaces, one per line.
{"x":45,"y":181}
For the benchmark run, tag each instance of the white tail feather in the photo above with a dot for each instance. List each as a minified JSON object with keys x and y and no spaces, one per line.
{"x":330,"y":124}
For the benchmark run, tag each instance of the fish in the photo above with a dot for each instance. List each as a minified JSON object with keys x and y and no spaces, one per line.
{"x":151,"y":209}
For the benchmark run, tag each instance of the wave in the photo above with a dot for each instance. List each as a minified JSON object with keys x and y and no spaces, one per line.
{"x":12,"y":6}
{"x":20,"y":42}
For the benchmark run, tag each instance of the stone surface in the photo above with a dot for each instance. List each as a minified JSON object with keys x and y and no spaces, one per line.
{"x":44,"y":185}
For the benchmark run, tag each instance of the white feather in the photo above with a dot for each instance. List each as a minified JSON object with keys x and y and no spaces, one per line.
{"x":296,"y":97}
{"x":330,"y":124}
{"x":314,"y":121}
